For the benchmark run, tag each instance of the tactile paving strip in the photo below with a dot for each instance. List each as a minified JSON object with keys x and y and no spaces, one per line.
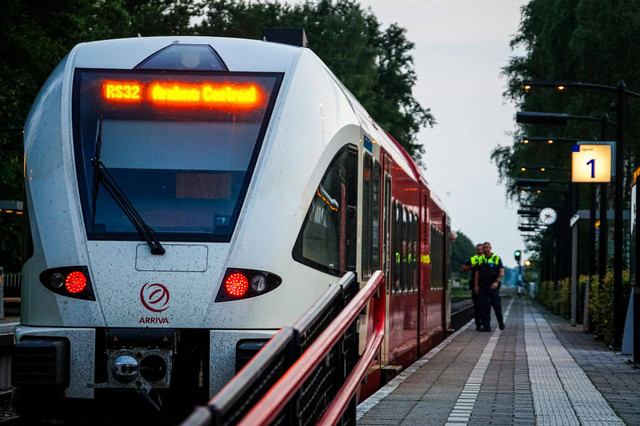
{"x":562,"y":392}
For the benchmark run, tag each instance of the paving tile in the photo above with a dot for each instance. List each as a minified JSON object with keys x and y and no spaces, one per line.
{"x":539,"y":370}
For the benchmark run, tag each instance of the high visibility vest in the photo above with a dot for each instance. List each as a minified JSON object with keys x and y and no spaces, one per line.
{"x":488,"y":269}
{"x":475,"y":261}
{"x":495,"y":259}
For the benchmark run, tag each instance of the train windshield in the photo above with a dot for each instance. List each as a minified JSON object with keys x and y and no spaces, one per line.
{"x":181,"y":147}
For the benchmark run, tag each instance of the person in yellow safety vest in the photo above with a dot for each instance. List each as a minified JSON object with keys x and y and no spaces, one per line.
{"x":488,"y":278}
{"x":471,"y":265}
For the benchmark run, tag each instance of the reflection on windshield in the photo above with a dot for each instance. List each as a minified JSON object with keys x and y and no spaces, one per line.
{"x":185,"y":170}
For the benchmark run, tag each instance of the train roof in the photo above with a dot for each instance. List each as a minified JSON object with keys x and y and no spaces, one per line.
{"x":125,"y":53}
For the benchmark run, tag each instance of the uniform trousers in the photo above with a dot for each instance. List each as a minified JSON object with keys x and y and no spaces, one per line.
{"x":489,"y":298}
{"x":477,"y":308}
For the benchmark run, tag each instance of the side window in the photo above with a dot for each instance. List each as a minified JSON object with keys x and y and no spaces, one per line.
{"x":370,"y":216}
{"x":388,"y":214}
{"x":366,"y":216}
{"x":327,"y":238}
{"x":436,"y":259}
{"x":410,"y":282}
{"x":375,"y":217}
{"x":414,"y":261}
{"x":396,"y":242}
{"x":405,"y":252}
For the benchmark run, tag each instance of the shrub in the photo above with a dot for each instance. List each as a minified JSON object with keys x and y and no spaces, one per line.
{"x":557,"y":298}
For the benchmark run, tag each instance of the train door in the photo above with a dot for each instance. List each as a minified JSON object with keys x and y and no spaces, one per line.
{"x":387,"y":256}
{"x":370,"y":223}
{"x":446,"y":270}
{"x":425,"y":269}
{"x":370,"y":255}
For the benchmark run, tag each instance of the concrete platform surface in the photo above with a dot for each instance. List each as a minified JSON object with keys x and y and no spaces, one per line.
{"x":538,"y":371}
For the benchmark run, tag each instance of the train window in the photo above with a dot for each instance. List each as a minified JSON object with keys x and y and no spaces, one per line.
{"x":375,"y":216}
{"x":387,"y":230}
{"x":410,"y":283}
{"x":436,"y":259}
{"x":366,"y":216}
{"x":181,"y":56}
{"x":181,"y":145}
{"x":416,"y":251}
{"x":405,"y":252}
{"x":327,"y":238}
{"x":396,"y":243}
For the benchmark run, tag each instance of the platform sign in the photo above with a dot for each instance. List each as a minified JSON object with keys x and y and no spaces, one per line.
{"x":591,"y":163}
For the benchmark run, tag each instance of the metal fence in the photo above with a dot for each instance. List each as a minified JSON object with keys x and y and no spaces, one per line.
{"x":12,"y":283}
{"x":254,"y":381}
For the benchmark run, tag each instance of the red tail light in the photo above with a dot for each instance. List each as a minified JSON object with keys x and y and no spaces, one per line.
{"x":75,"y":282}
{"x":69,"y":281}
{"x":236,"y":284}
{"x":243,"y":284}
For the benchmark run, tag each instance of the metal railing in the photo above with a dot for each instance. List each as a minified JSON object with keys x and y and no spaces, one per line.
{"x":308,"y":373}
{"x":12,"y":280}
{"x":11,"y":284}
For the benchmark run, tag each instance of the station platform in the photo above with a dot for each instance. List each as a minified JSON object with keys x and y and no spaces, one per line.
{"x":538,"y":371}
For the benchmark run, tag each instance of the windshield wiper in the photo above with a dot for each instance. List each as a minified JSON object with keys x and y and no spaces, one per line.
{"x":101,"y":174}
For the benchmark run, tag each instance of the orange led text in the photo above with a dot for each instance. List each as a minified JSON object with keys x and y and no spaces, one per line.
{"x":122,"y":91}
{"x":223,"y":96}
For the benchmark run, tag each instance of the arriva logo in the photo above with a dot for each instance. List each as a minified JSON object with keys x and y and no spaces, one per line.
{"x":154,"y":297}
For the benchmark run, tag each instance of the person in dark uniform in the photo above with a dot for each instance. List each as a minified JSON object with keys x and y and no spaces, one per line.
{"x":488,"y":278}
{"x":472,"y":265}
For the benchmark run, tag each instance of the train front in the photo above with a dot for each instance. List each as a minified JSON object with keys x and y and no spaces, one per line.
{"x":141,"y":156}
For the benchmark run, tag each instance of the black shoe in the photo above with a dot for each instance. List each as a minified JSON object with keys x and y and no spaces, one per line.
{"x":478,"y":328}
{"x":485,"y":329}
{"x":501,"y":325}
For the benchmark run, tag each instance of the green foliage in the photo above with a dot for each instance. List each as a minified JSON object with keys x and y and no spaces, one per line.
{"x":461,"y":250}
{"x":585,"y":41}
{"x":557,"y":297}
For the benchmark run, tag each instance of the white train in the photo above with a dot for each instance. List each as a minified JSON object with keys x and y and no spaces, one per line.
{"x":189,"y":196}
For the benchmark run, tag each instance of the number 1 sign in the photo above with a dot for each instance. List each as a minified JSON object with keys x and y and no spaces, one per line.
{"x":591,"y":163}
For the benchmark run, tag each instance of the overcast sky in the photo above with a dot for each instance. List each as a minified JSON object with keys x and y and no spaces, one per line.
{"x":460,"y":48}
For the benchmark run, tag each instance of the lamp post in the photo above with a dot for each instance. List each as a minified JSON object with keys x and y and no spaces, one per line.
{"x":547,"y":139}
{"x":526,"y":117}
{"x":621,"y":91}
{"x":560,"y":260}
{"x":603,"y":246}
{"x":544,"y":168}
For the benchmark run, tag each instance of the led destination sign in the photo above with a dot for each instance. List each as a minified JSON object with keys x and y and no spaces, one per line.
{"x":225,"y":96}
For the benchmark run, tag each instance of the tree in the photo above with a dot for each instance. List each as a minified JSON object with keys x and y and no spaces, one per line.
{"x":375,"y":65}
{"x":461,"y":250}
{"x":570,"y":40}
